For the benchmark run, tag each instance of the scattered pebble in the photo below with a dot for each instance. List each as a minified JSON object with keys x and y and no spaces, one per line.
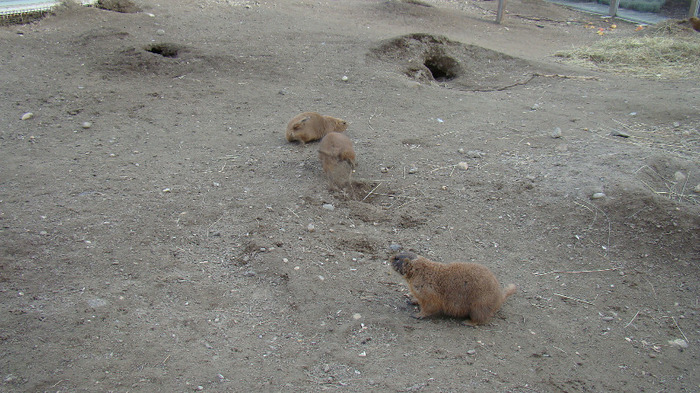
{"x":535,"y":107}
{"x":86,"y":124}
{"x":475,"y":154}
{"x":363,"y":354}
{"x":250,"y":273}
{"x":412,"y":170}
{"x":608,"y":319}
{"x":621,"y":134}
{"x":166,"y":190}
{"x":328,"y":206}
{"x":679,"y":343}
{"x":27,"y":116}
{"x":697,"y":189}
{"x":556,"y":133}
{"x":395,"y":247}
{"x":676,"y":124}
{"x":344,"y":78}
{"x":463,"y":166}
{"x":461,"y":150}
{"x":160,"y":32}
{"x":311,"y":227}
{"x":384,"y":169}
{"x":679,"y":176}
{"x":471,"y":352}
{"x":356,"y":316}
{"x":96,"y":302}
{"x":633,"y":113}
{"x":598,"y":195}
{"x":321,"y":278}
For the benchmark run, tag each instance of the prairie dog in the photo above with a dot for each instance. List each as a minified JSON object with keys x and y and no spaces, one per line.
{"x":336,"y":149}
{"x":310,"y":126}
{"x":461,"y":290}
{"x":695,"y":22}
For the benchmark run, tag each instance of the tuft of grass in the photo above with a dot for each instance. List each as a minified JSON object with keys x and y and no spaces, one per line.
{"x":659,"y":56}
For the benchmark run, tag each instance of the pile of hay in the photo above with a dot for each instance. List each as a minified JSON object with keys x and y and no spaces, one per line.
{"x":656,"y":54}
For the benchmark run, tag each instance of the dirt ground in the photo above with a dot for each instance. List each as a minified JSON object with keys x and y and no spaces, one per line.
{"x":158,"y":233}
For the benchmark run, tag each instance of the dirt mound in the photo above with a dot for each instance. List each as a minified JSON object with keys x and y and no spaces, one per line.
{"x":430,"y":58}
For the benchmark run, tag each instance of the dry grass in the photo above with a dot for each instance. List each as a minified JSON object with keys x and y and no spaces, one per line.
{"x":659,"y":56}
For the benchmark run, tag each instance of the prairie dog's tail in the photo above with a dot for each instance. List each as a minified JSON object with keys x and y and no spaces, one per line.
{"x":509,"y":290}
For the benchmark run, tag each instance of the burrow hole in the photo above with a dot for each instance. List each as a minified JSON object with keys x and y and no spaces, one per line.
{"x":164,"y":49}
{"x":443,"y":68}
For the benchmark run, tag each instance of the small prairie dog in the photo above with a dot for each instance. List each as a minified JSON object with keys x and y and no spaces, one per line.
{"x":334,"y":149}
{"x":695,"y":22}
{"x":310,"y":126}
{"x":461,"y":290}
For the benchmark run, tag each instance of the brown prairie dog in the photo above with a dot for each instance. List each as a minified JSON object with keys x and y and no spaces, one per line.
{"x":461,"y":290}
{"x":337,"y":157}
{"x":695,"y":22}
{"x":310,"y":126}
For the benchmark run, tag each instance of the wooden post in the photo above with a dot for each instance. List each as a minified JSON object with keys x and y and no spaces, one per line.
{"x":614,"y":5}
{"x":502,"y":10}
{"x":693,"y":8}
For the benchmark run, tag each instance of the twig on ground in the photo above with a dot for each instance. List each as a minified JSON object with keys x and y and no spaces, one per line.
{"x":371,"y":192}
{"x":680,"y":330}
{"x":574,"y":271}
{"x":633,"y":318}
{"x":573,"y":298}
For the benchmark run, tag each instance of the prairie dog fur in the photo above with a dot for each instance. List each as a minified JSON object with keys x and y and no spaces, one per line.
{"x":337,"y":157}
{"x":461,"y":290}
{"x":311,"y":126}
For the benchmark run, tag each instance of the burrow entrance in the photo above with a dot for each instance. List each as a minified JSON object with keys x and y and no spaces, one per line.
{"x":430,"y":58}
{"x":164,"y":49}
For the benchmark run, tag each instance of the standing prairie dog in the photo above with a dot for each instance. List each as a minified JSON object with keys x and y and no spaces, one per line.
{"x":337,"y":157}
{"x":311,"y":126}
{"x":461,"y":290}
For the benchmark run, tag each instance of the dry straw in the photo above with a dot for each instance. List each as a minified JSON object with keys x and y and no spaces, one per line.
{"x":659,"y":56}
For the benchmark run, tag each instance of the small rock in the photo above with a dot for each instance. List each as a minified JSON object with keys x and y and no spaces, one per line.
{"x":475,"y":154}
{"x":633,"y":113}
{"x":363,"y":354}
{"x":556,"y":133}
{"x":311,"y":227}
{"x":461,"y":150}
{"x":356,"y":316}
{"x":676,"y":124}
{"x":679,"y":176}
{"x":608,"y":319}
{"x":395,"y":247}
{"x":328,"y":206}
{"x":535,"y":107}
{"x":27,"y":116}
{"x":344,"y":78}
{"x":621,"y":134}
{"x":697,"y":189}
{"x":160,"y":32}
{"x":86,"y":124}
{"x":412,"y":170}
{"x":598,"y":195}
{"x":471,"y":352}
{"x":679,"y":343}
{"x":97,"y":302}
{"x":384,"y":169}
{"x":463,"y":166}
{"x":250,"y":273}
{"x":321,"y":278}
{"x":166,"y":190}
